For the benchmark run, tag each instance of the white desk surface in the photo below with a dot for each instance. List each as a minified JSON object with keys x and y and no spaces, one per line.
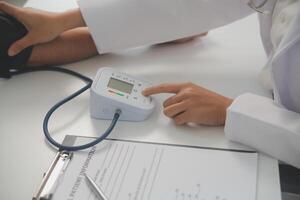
{"x":228,"y":61}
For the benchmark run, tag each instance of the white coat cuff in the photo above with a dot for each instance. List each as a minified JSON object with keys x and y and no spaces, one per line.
{"x":260,"y":123}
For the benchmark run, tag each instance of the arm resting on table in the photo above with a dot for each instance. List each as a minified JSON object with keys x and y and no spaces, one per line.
{"x":70,"y":46}
{"x":262,"y":124}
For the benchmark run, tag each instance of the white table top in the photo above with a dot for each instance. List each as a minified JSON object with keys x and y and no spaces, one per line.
{"x":228,"y":61}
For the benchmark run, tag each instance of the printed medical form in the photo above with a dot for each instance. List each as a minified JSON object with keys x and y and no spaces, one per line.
{"x":128,"y":170}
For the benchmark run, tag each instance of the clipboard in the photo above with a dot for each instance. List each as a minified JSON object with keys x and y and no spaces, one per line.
{"x":51,"y":179}
{"x":58,"y":166}
{"x":54,"y":179}
{"x":52,"y":176}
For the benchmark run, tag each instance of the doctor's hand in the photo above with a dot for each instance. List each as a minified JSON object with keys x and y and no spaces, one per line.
{"x":187,"y":39}
{"x":192,"y":103}
{"x":42,"y":26}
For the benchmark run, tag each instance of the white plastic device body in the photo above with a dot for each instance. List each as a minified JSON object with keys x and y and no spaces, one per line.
{"x":112,"y":90}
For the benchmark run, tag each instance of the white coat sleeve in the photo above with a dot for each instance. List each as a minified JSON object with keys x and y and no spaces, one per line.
{"x":273,"y":127}
{"x":286,"y":73}
{"x":262,"y":124}
{"x":121,"y":24}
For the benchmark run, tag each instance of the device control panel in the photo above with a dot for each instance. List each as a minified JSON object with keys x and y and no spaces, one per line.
{"x":121,"y":90}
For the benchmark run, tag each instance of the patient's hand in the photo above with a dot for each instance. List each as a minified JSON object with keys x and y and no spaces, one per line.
{"x":42,"y":26}
{"x":192,"y":103}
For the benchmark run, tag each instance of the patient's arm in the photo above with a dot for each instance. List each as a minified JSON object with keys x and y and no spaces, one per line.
{"x":70,"y":46}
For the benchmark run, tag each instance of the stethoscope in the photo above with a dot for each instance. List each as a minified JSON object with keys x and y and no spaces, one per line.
{"x":257,"y":8}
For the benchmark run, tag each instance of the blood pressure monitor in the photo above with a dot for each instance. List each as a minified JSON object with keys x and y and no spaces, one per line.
{"x":112,"y":90}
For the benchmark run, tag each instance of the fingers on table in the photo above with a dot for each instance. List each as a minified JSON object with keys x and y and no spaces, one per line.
{"x":175,"y":109}
{"x":180,"y":96}
{"x":182,"y":118}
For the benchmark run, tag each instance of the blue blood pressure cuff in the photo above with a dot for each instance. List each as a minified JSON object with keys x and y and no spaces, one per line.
{"x":11,"y":30}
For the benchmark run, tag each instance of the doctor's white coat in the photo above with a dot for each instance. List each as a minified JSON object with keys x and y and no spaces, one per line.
{"x":270,"y":126}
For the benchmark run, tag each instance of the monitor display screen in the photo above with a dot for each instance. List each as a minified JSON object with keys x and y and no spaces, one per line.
{"x":122,"y":86}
